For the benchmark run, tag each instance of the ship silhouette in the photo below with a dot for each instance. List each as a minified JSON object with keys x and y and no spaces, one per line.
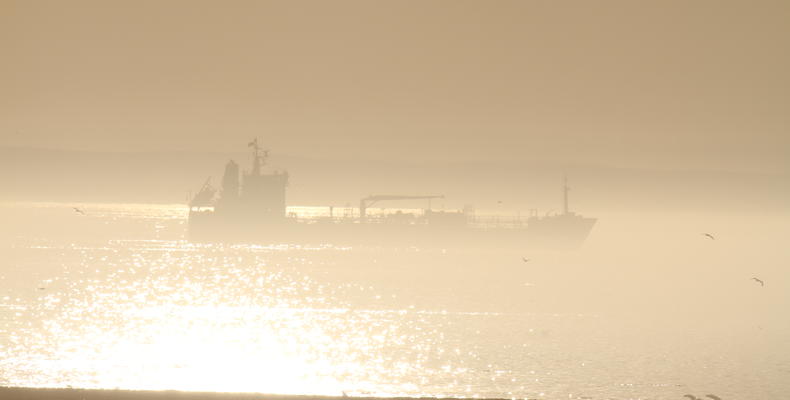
{"x":250,"y":207}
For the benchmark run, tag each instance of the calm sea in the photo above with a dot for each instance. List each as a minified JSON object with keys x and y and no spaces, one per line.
{"x":117,"y":298}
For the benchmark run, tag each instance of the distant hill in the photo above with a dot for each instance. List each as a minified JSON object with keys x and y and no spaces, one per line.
{"x":167,"y":177}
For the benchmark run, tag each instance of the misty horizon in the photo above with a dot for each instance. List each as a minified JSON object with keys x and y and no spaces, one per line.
{"x":166,"y":177}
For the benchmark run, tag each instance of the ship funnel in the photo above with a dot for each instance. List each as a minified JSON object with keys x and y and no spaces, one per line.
{"x":230,"y":181}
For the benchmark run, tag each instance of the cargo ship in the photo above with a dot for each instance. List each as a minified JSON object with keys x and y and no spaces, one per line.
{"x":250,"y":207}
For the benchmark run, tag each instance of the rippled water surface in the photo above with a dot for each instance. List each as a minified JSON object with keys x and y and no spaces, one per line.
{"x":116,"y":298}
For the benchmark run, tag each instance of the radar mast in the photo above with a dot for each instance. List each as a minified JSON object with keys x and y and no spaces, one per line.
{"x":258,"y":157}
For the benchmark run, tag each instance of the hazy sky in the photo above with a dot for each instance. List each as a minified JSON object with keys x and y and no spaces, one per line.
{"x":703,"y":84}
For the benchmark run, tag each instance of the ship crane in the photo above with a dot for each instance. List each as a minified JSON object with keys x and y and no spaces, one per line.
{"x":204,"y":197}
{"x":371,"y":200}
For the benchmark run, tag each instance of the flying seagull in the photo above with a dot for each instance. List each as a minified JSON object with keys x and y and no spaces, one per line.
{"x":77,"y":210}
{"x":713,"y":396}
{"x":710,"y":236}
{"x":760,"y":281}
{"x":525,"y":259}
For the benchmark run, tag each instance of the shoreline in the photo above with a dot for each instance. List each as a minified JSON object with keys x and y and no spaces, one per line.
{"x":23,"y":393}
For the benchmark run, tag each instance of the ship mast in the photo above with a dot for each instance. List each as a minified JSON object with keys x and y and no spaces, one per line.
{"x":565,"y":190}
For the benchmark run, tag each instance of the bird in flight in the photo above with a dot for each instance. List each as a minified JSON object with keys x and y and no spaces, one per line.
{"x":760,"y":281}
{"x":525,"y":259}
{"x":77,"y":210}
{"x":709,"y":235}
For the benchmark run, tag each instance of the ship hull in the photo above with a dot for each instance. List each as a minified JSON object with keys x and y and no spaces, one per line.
{"x":554,"y":233}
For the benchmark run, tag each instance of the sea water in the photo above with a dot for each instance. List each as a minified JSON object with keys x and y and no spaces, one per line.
{"x":113,"y":296}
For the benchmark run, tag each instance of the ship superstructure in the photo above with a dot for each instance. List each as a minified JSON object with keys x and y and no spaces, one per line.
{"x":251,"y":207}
